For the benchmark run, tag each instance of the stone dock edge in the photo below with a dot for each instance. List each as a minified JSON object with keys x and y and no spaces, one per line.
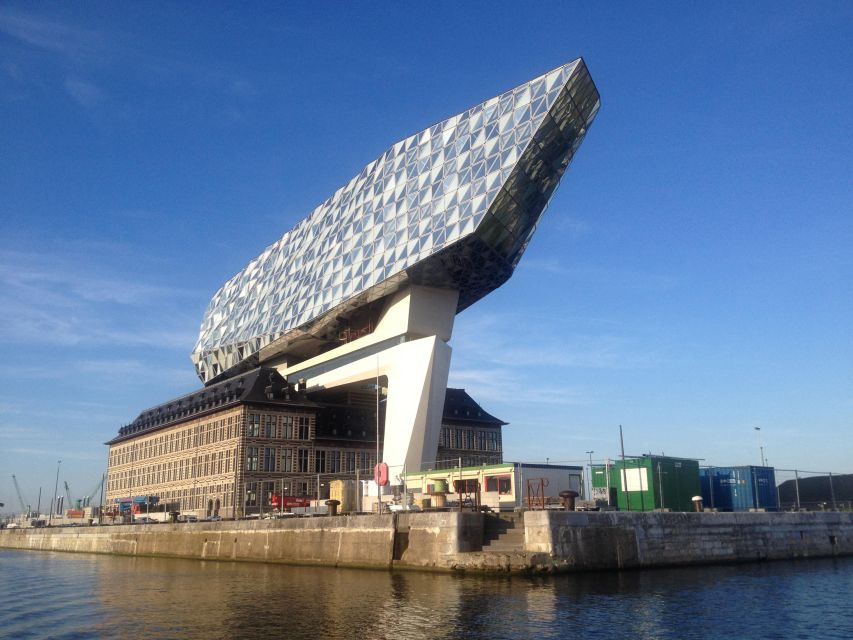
{"x":553,"y":541}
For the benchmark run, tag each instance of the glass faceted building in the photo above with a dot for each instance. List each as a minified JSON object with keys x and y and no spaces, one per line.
{"x":451,"y":207}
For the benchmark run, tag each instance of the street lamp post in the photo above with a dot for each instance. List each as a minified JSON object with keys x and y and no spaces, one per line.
{"x":376,"y":473}
{"x":589,"y":495}
{"x":760,"y":445}
{"x":55,"y":489}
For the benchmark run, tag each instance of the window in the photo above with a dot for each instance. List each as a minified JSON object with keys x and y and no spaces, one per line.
{"x":457,"y":438}
{"x":269,"y":426}
{"x":287,"y":460}
{"x":287,"y":427}
{"x":302,"y":456}
{"x":501,"y":484}
{"x":334,"y":461}
{"x":269,"y":459}
{"x":469,"y":439}
{"x":254,"y":425}
{"x":251,"y":494}
{"x":465,"y":486}
{"x":304,"y":428}
{"x":363,"y":460}
{"x":320,"y":461}
{"x":493,"y":441}
{"x":252,"y":459}
{"x":267,"y":491}
{"x":349,"y":461}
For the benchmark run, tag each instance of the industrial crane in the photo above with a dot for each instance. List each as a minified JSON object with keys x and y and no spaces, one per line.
{"x":87,"y":499}
{"x":68,"y":502}
{"x":25,"y":508}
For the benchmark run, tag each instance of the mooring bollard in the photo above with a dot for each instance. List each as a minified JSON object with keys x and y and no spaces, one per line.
{"x":697,"y":503}
{"x":333,"y":506}
{"x":569,"y":499}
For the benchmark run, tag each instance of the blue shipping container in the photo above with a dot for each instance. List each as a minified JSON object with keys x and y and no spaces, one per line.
{"x":739,"y":488}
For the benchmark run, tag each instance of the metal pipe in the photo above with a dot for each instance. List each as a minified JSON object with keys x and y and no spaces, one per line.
{"x":100,"y":501}
{"x":55,"y":489}
{"x":797,"y":487}
{"x":376,"y":467}
{"x":624,"y":476}
{"x":832,"y":493}
{"x":589,"y":495}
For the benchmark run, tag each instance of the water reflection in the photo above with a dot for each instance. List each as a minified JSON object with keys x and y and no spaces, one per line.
{"x":87,"y":596}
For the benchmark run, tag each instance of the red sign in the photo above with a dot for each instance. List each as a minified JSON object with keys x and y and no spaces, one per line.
{"x":288,"y":502}
{"x":380,"y":474}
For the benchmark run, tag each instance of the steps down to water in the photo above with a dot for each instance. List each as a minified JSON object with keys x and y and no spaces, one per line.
{"x":503,"y":533}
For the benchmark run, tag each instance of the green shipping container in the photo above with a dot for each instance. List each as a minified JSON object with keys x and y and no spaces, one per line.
{"x":651,"y":482}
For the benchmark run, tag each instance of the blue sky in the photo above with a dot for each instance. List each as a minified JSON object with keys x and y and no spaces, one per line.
{"x":691,"y":280}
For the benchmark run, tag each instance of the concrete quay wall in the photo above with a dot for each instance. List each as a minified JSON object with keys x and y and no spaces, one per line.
{"x":363,"y":541}
{"x":566,"y":541}
{"x":554,"y":541}
{"x":421,"y":540}
{"x":433,"y":540}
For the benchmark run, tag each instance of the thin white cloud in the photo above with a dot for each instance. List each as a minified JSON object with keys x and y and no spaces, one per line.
{"x":53,"y":298}
{"x":569,"y":225}
{"x":62,"y":39}
{"x":12,"y":431}
{"x":492,"y":338}
{"x":136,"y":370}
{"x":505,"y":385}
{"x":617,"y":278}
{"x":65,"y":454}
{"x":86,"y":94}
{"x":55,"y":273}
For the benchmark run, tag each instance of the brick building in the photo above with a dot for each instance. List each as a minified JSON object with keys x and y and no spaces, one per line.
{"x":238,"y":442}
{"x":243,"y":440}
{"x":468,"y":432}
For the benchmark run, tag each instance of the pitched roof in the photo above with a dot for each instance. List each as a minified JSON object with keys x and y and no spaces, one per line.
{"x":262,"y":385}
{"x":459,"y":406}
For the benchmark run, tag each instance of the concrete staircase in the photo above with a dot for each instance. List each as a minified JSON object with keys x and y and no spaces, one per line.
{"x":503,"y":533}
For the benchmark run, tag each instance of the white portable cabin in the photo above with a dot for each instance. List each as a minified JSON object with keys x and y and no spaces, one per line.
{"x":503,"y":487}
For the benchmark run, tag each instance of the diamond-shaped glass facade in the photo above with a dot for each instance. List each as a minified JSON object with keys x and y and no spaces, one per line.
{"x":451,"y":206}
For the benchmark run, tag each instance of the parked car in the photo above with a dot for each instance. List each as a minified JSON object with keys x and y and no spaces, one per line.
{"x":145,"y":520}
{"x":213,"y":518}
{"x":187,"y":517}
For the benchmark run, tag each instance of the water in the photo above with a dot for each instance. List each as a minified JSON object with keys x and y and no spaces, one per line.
{"x":60,"y":595}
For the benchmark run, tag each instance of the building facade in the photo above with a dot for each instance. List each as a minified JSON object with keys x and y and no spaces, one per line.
{"x":468,"y":433}
{"x":235,"y":448}
{"x":501,"y":487}
{"x":369,"y":283}
{"x":228,"y":449}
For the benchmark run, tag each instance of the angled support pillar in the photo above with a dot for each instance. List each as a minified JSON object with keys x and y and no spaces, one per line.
{"x":408,"y":347}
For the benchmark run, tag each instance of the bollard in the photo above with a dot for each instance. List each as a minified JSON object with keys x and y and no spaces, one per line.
{"x":333,"y":506}
{"x":697,"y":503}
{"x":569,"y":499}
